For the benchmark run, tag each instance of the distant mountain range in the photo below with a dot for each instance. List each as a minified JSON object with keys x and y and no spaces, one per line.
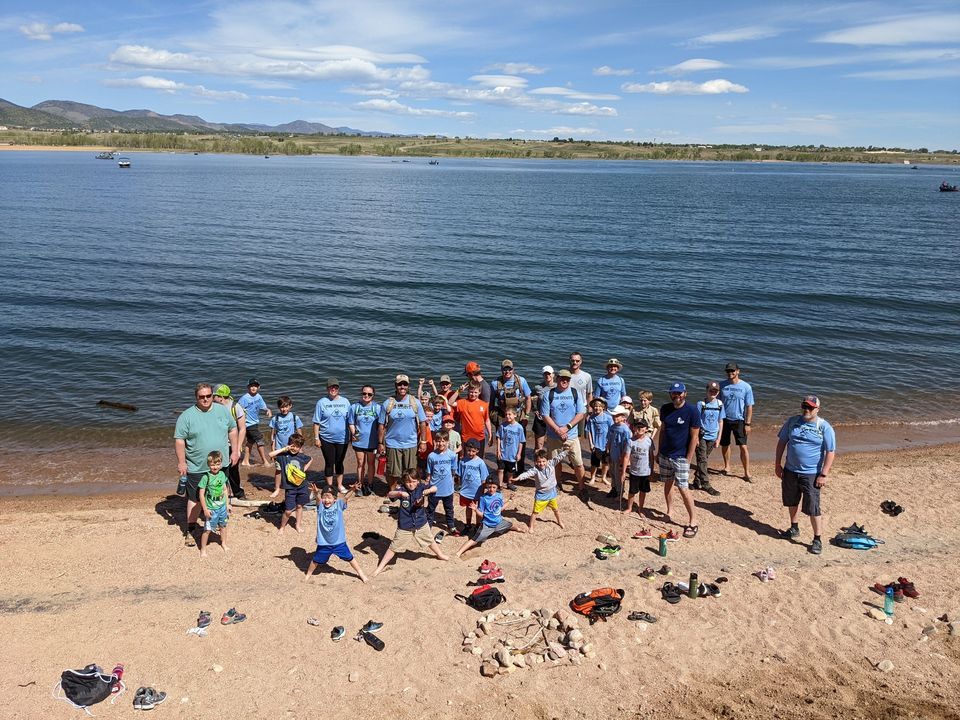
{"x":68,"y":115}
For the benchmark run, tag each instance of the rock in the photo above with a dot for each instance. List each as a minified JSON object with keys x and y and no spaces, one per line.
{"x":503,"y":657}
{"x":519,"y":661}
{"x":884,"y":666}
{"x":576,"y":644}
{"x":476,"y":650}
{"x":586,"y":648}
{"x":468,"y":640}
{"x":485,"y":628}
{"x":954,"y":628}
{"x":575,"y":659}
{"x":553,"y":624}
{"x":472,"y":635}
{"x":590,"y":655}
{"x":876,"y":614}
{"x":524,"y":614}
{"x":930,"y":630}
{"x":537,"y":659}
{"x":561,"y":616}
{"x":489,"y":669}
{"x":573,"y":636}
{"x":545,"y":613}
{"x":217,"y":668}
{"x":603,"y":668}
{"x":558,"y":650}
{"x":354,"y":676}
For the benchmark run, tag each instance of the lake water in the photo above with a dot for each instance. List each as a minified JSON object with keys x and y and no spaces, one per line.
{"x":131,"y":285}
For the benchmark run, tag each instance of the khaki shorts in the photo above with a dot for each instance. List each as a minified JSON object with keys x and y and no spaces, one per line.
{"x":400,"y":459}
{"x":406,"y":539}
{"x":570,"y":447}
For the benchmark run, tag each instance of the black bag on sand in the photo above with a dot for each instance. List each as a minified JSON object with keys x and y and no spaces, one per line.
{"x":483,"y":598}
{"x":88,"y":686}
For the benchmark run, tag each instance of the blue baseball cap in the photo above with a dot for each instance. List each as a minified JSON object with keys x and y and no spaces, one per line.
{"x":678,"y":387}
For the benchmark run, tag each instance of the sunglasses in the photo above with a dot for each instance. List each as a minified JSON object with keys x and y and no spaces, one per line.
{"x":808,"y":407}
{"x":366,"y":394}
{"x":403,"y":384}
{"x":204,"y":397}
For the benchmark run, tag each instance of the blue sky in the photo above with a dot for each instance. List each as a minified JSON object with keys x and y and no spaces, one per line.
{"x":857,"y":73}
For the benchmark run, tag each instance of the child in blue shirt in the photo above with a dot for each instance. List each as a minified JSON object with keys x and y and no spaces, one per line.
{"x":413,"y":528}
{"x":292,"y":465}
{"x":441,"y":464}
{"x":253,"y":404}
{"x":473,"y":474}
{"x":490,"y":507}
{"x":331,"y":533}
{"x":597,"y":428}
{"x":618,"y":440}
{"x":511,"y":439}
{"x":282,"y":426}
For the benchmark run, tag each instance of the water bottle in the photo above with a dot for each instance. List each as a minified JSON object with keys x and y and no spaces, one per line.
{"x":693,"y":591}
{"x":888,"y":602}
{"x":182,"y":486}
{"x":118,"y":674}
{"x":663,"y":546}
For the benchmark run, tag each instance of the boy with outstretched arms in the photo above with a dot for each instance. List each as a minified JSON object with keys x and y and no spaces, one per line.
{"x":545,"y":479}
{"x":413,"y":528}
{"x":331,"y":532}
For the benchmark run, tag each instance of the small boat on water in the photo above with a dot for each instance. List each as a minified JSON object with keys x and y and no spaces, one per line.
{"x":124,"y":162}
{"x":434,"y":162}
{"x":947,"y":187}
{"x":106,"y":156}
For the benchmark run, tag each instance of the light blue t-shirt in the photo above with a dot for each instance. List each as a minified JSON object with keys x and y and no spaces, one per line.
{"x":366,"y":420}
{"x":736,"y":398}
{"x":618,"y":441}
{"x":564,"y":407}
{"x":331,"y":416}
{"x":283,"y":427}
{"x":402,"y":427}
{"x":610,"y":389}
{"x":807,"y":444}
{"x":711,"y":413}
{"x":491,"y":507}
{"x":330,"y":527}
{"x":440,"y":467}
{"x":597,"y":428}
{"x":436,"y":422}
{"x":472,"y":475}
{"x":512,"y":436}
{"x":252,"y":406}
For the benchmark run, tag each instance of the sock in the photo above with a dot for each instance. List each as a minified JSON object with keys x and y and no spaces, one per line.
{"x":816,"y":537}
{"x":794,"y":526}
{"x":191,"y":527}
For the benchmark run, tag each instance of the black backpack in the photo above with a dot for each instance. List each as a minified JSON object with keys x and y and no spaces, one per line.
{"x":483,"y":598}
{"x":88,"y":686}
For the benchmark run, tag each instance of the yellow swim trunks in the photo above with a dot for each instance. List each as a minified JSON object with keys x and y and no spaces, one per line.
{"x":540,"y":505}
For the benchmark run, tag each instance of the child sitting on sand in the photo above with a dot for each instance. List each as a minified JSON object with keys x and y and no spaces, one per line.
{"x":545,"y":477}
{"x":412,"y":526}
{"x":292,"y":466}
{"x":490,"y":507}
{"x":331,"y":533}
{"x":473,"y":473}
{"x":641,"y":463}
{"x":214,"y":501}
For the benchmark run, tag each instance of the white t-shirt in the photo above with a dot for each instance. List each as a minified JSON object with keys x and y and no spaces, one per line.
{"x":640,"y":456}
{"x":582,"y":382}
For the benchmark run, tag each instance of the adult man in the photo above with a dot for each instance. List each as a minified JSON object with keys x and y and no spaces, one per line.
{"x":679,"y":435}
{"x":562,"y":408}
{"x":253,"y":404}
{"x":201,"y":429}
{"x":403,"y":430}
{"x":737,"y":397}
{"x":474,"y":374}
{"x":511,"y":392}
{"x":811,"y":445}
{"x":580,"y":379}
{"x":541,"y":389}
{"x":223,"y":397}
{"x":712,"y":417}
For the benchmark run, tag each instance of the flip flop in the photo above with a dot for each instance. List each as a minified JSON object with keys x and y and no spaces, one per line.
{"x":897,"y":509}
{"x":642,"y":616}
{"x":647,"y":573}
{"x":670,"y":593}
{"x":665,"y":570}
{"x":690,"y":531}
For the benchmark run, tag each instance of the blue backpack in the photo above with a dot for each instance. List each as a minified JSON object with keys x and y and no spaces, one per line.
{"x":855,"y":541}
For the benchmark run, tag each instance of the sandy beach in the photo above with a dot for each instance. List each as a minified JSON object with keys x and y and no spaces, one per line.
{"x":106,"y":579}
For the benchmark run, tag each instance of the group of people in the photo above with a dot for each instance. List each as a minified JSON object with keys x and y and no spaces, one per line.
{"x":424,"y":443}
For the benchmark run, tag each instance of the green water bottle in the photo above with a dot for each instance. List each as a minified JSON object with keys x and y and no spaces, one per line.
{"x":693,"y":591}
{"x":663,"y":546}
{"x":888,"y":602}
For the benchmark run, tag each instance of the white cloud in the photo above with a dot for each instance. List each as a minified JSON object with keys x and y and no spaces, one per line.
{"x":692,"y":65}
{"x":573,"y":94}
{"x":755,"y":32}
{"x":517,"y":68}
{"x":606,"y":70}
{"x":498,"y":81}
{"x":151,"y":82}
{"x":899,"y":31}
{"x":926,"y":73}
{"x":339,"y":52}
{"x":280,"y":99}
{"x":45,"y":31}
{"x":396,"y":108}
{"x":501,"y":95}
{"x":685,"y":87}
{"x":201,"y":91}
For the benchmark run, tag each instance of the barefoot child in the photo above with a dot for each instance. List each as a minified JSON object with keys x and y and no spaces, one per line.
{"x":490,"y":507}
{"x":214,"y":501}
{"x":441,"y":464}
{"x":597,"y":427}
{"x":331,"y":533}
{"x":641,"y":463}
{"x":473,"y":474}
{"x":292,"y":466}
{"x":511,"y":441}
{"x":413,"y":530}
{"x":545,"y":478}
{"x":282,"y":425}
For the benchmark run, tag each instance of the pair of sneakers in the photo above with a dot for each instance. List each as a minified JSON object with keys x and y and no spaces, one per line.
{"x":146,"y":698}
{"x":490,"y":573}
{"x":339,"y":631}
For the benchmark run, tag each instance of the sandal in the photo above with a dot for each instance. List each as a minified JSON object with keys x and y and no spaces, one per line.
{"x":690,"y":531}
{"x":887,"y":506}
{"x":647,"y":573}
{"x":670,"y":593}
{"x":642,"y":616}
{"x":231,"y":617}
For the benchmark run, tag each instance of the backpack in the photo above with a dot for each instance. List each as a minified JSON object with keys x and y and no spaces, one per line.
{"x":392,"y":403}
{"x":797,"y":420}
{"x":485,"y":597}
{"x":855,"y":541}
{"x":576,"y":396}
{"x":599,"y":604}
{"x":86,"y":687}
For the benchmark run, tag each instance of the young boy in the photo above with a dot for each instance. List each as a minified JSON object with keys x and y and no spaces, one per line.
{"x":598,"y":427}
{"x":214,"y":501}
{"x":511,"y":437}
{"x":641,"y":464}
{"x":441,"y":464}
{"x":292,"y":466}
{"x":490,"y":506}
{"x":473,"y":474}
{"x":440,"y":406}
{"x":331,"y":533}
{"x":618,"y":440}
{"x":253,"y":404}
{"x":712,"y":416}
{"x":413,"y":529}
{"x":474,"y":416}
{"x":455,"y":443}
{"x":648,"y":412}
{"x":545,"y":479}
{"x":282,"y":426}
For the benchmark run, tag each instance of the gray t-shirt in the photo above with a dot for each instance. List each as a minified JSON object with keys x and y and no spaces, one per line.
{"x":640,"y":456}
{"x":582,"y":382}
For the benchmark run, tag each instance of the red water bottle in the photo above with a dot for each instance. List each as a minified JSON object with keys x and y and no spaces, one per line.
{"x":118,"y":674}
{"x":382,"y":465}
